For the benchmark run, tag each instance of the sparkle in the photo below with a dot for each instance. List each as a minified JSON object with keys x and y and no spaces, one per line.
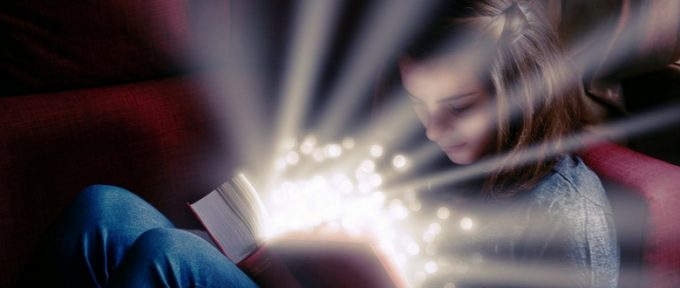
{"x":333,"y":150}
{"x":376,"y":151}
{"x":292,"y":157}
{"x":308,"y":144}
{"x":348,"y":143}
{"x":466,"y":223}
{"x":319,"y":155}
{"x":399,"y":161}
{"x":431,"y":267}
{"x":443,"y":213}
{"x":413,"y":249}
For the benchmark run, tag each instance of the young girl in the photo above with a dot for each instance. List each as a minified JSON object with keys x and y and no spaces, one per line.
{"x":499,"y":88}
{"x":488,"y":81}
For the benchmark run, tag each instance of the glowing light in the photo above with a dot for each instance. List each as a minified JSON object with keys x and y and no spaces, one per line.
{"x":319,"y":155}
{"x":292,"y":157}
{"x":367,"y":166}
{"x":308,"y":144}
{"x":413,"y":249}
{"x":466,"y":224}
{"x":376,"y":151}
{"x":333,"y":150}
{"x":397,"y":209}
{"x":348,"y":143}
{"x":443,"y":213}
{"x":434,"y":228}
{"x":378,"y":197}
{"x":399,"y":161}
{"x":431,"y":267}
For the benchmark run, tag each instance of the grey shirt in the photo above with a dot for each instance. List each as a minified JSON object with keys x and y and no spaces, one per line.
{"x":559,"y":234}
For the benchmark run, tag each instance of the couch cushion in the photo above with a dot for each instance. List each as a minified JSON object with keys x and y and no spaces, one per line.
{"x":154,"y":138}
{"x":658,"y":183}
{"x":53,"y":45}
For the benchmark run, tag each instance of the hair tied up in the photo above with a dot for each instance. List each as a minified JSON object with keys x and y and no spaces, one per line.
{"x":514,"y":22}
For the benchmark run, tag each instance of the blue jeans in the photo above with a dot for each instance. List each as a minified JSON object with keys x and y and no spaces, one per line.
{"x":110,"y":237}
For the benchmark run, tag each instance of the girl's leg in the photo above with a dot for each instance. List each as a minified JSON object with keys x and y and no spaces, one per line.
{"x":167,"y":257}
{"x":91,"y":237}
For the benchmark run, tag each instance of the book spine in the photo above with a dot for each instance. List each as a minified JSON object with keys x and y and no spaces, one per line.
{"x":268,"y":270}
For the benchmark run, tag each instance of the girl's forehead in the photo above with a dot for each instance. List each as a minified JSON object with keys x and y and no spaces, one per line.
{"x":440,"y":78}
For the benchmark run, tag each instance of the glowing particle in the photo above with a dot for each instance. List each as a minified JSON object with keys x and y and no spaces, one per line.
{"x":292,"y":157}
{"x":397,"y":209}
{"x":431,"y":267}
{"x":333,"y":150}
{"x":443,"y":213}
{"x":319,"y":155}
{"x":413,"y":249}
{"x":378,"y":197}
{"x":375,"y":180}
{"x":466,"y":223}
{"x":376,"y":150}
{"x":434,"y":228}
{"x":308,"y":144}
{"x":367,"y":166}
{"x":348,"y":143}
{"x":399,"y":161}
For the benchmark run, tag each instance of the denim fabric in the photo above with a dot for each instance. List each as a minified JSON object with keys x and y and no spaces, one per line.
{"x":575,"y":201}
{"x":110,"y":237}
{"x":559,"y":234}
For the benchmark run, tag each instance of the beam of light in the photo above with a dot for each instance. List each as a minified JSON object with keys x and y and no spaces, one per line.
{"x":633,"y":126}
{"x":312,"y":27}
{"x":233,"y":73}
{"x":388,"y":24}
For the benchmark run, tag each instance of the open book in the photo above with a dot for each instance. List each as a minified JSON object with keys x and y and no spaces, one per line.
{"x":234,"y":217}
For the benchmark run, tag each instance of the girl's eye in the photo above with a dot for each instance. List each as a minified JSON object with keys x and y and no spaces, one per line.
{"x":459,"y":110}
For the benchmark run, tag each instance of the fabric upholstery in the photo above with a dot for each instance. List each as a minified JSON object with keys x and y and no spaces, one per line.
{"x":62,"y":44}
{"x":659,"y":185}
{"x":151,"y":137}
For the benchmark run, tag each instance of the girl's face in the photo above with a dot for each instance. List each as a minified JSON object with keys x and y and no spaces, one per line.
{"x":453,"y":104}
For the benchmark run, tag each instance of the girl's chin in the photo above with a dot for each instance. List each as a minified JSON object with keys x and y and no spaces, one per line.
{"x":461,"y":158}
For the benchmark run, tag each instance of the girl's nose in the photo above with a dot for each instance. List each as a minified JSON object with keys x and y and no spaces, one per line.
{"x":436,"y":127}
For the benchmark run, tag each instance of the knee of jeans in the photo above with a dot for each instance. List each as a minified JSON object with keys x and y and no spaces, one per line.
{"x":167,"y":242}
{"x":100,"y":195}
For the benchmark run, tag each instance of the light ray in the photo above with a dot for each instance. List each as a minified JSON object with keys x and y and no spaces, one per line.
{"x":311,"y":33}
{"x":387,"y":25}
{"x":230,"y":54}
